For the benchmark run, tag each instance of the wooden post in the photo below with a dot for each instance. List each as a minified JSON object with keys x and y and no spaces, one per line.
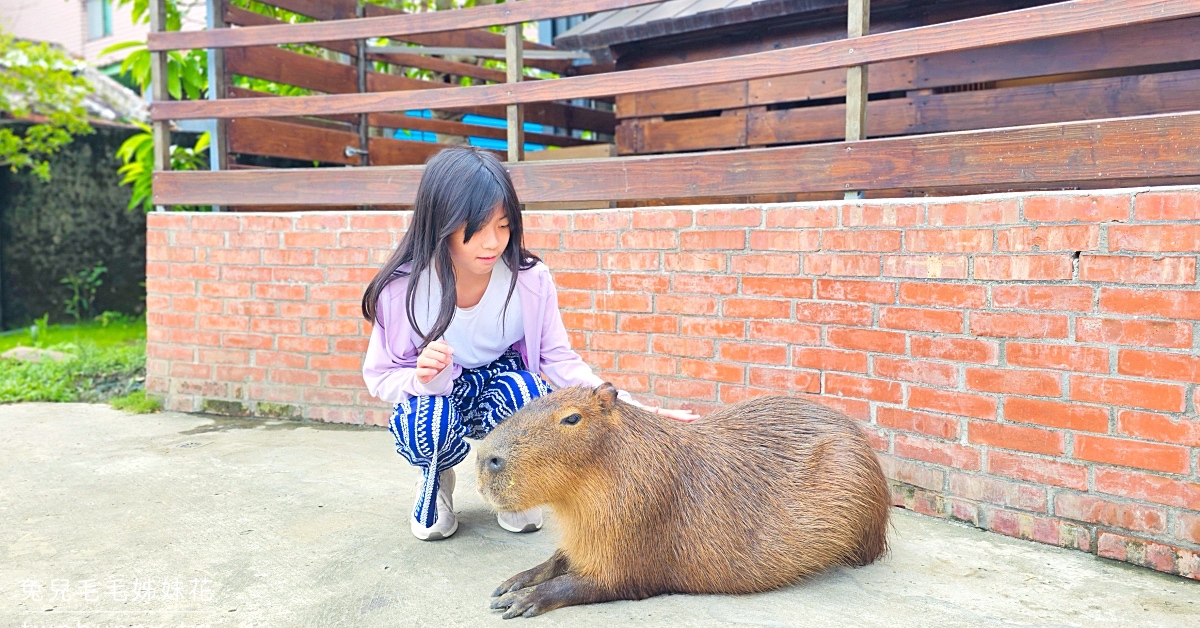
{"x":514,"y":58}
{"x":360,"y":57}
{"x":218,"y":148}
{"x":858,"y":24}
{"x":161,"y":130}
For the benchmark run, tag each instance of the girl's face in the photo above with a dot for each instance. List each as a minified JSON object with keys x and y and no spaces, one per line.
{"x":479,"y":255}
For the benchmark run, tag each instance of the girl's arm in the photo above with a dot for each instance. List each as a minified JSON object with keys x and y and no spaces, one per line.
{"x":390,"y":365}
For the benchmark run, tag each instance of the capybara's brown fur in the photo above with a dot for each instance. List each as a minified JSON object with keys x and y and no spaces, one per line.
{"x":752,"y":497}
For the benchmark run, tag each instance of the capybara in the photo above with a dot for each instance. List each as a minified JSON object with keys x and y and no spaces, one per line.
{"x":754,"y":496}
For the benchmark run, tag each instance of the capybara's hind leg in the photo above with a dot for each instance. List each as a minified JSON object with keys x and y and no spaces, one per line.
{"x":552,"y":568}
{"x":565,"y":590}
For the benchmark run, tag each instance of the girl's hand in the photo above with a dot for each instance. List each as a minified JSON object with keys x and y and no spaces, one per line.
{"x":433,"y":360}
{"x":679,"y":415}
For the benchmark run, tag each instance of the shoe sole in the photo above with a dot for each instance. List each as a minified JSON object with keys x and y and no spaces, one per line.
{"x":438,"y":536}
{"x":529,"y":527}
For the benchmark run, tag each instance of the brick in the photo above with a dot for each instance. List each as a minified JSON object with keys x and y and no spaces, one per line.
{"x":947,"y":454}
{"x":299,"y":274}
{"x":1147,"y":487}
{"x":647,"y":218}
{"x":802,"y":217}
{"x":915,"y":319}
{"x":171,"y":352}
{"x":1156,"y":427}
{"x":321,"y":221}
{"x":581,"y":281}
{"x":920,"y":422}
{"x":715,"y":240}
{"x":646,"y":239}
{"x":703,"y":284}
{"x":943,"y":295}
{"x":987,"y":212}
{"x":623,"y":302}
{"x":681,"y":346}
{"x":653,"y":364}
{"x":791,"y":333}
{"x":829,"y":359}
{"x":1042,"y":298}
{"x":248,"y":341}
{"x":1136,"y":517}
{"x":653,"y":283}
{"x":948,"y":241}
{"x":601,"y":220}
{"x":673,"y":304}
{"x":195,"y":305}
{"x":842,"y":385}
{"x":731,"y":394}
{"x":1170,"y":205}
{"x":786,"y":379}
{"x":952,"y":402}
{"x":334,"y":292}
{"x":1169,"y":334}
{"x":713,"y":371}
{"x":718,"y":328}
{"x":170,"y":319}
{"x":861,"y":240}
{"x":868,"y":291}
{"x":224,"y":323}
{"x":245,"y":273}
{"x":1001,"y":492}
{"x":574,"y":300}
{"x":199,"y":238}
{"x":335,"y":362}
{"x":1153,"y":364}
{"x":194,"y":271}
{"x":866,"y":340}
{"x":589,"y":241}
{"x":356,"y":275}
{"x":290,"y":257}
{"x":1122,"y":392}
{"x":792,"y":241}
{"x":302,"y":344}
{"x":1132,"y":453}
{"x":346,"y":239}
{"x":1069,"y":416}
{"x":756,"y":353}
{"x":1155,"y":303}
{"x":1048,"y":238}
{"x":1018,"y":325}
{"x":318,"y":327}
{"x":630,"y":261}
{"x":695,"y":262}
{"x":234,"y":256}
{"x":1062,"y":357}
{"x":788,"y":287}
{"x":1188,"y":527}
{"x":883,"y":215}
{"x":685,"y":389}
{"x":912,"y":473}
{"x":756,"y":308}
{"x":919,"y":371}
{"x":1022,"y":267}
{"x":925,"y":266}
{"x":1039,"y":470}
{"x":1129,"y":269}
{"x":1007,"y":436}
{"x":590,"y":321}
{"x":650,"y":323}
{"x":540,"y":241}
{"x":571,"y":260}
{"x":765,"y":264}
{"x":834,"y":313}
{"x":295,"y":377}
{"x":752,"y":217}
{"x":194,"y":337}
{"x":190,"y":371}
{"x":275,"y":325}
{"x":1014,"y":382}
{"x":343,"y":257}
{"x":1074,"y":208}
{"x":280,"y":291}
{"x":858,"y":409}
{"x":821,"y":264}
{"x":1175,"y":238}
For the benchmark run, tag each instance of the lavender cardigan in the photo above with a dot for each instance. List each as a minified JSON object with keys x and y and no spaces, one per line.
{"x":389,"y":368}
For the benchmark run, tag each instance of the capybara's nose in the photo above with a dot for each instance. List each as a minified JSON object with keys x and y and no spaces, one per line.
{"x":494,"y":463}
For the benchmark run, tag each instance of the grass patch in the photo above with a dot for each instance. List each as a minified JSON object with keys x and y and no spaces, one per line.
{"x":136,"y":402}
{"x":105,"y":361}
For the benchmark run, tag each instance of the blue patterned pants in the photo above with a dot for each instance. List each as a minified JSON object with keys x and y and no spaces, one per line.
{"x":429,"y":431}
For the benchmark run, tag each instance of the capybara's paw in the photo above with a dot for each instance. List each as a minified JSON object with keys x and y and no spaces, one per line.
{"x":516,"y":583}
{"x":522,"y":603}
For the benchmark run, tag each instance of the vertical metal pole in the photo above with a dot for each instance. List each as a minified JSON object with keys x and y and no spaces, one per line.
{"x":160,"y":130}
{"x":218,"y":153}
{"x":858,"y":24}
{"x":514,"y":57}
{"x":360,"y":56}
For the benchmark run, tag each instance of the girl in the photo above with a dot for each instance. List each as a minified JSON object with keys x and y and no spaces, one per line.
{"x":450,"y":345}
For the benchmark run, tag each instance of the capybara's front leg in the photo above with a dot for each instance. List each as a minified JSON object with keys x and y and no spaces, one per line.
{"x":552,"y":568}
{"x":568,"y":589}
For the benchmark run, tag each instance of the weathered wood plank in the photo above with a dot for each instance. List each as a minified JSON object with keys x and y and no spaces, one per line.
{"x":708,"y":133}
{"x":1158,"y":146}
{"x":1074,"y":16}
{"x":387,"y":25}
{"x":272,"y":138}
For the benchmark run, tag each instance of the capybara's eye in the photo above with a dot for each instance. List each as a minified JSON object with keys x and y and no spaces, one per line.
{"x":572,"y":419}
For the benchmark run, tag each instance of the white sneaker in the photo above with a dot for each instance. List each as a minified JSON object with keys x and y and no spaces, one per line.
{"x":524,"y":521}
{"x":447,"y":523}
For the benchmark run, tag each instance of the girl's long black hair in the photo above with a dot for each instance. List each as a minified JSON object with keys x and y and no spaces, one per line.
{"x":460,"y":185}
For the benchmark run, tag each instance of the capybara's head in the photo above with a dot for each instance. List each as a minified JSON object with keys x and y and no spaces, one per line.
{"x":540,"y":453}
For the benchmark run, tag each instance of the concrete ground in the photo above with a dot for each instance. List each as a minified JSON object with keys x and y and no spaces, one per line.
{"x":174,"y":520}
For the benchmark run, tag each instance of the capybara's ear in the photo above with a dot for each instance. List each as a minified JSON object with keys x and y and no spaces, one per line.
{"x":607,"y":394}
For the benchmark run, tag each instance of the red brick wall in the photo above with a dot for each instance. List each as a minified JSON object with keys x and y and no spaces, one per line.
{"x":1028,"y":363}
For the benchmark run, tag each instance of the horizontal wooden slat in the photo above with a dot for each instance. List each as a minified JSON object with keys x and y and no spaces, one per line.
{"x":386,"y":26}
{"x":450,"y":127}
{"x":1076,"y":16}
{"x":1124,"y":148}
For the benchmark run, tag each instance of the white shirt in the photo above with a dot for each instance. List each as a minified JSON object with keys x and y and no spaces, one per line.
{"x":479,"y":334}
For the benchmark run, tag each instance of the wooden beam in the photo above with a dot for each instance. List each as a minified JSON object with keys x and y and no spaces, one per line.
{"x":160,"y":130}
{"x":396,"y":26}
{"x":1159,"y":146}
{"x":859,"y":23}
{"x":218,"y":84}
{"x":303,"y":142}
{"x":1074,"y":16}
{"x":514,"y":57}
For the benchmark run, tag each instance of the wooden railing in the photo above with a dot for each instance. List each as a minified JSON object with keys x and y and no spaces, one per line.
{"x":1159,"y":147}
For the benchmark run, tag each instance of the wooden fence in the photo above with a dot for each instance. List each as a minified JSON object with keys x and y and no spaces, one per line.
{"x":1155,"y":148}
